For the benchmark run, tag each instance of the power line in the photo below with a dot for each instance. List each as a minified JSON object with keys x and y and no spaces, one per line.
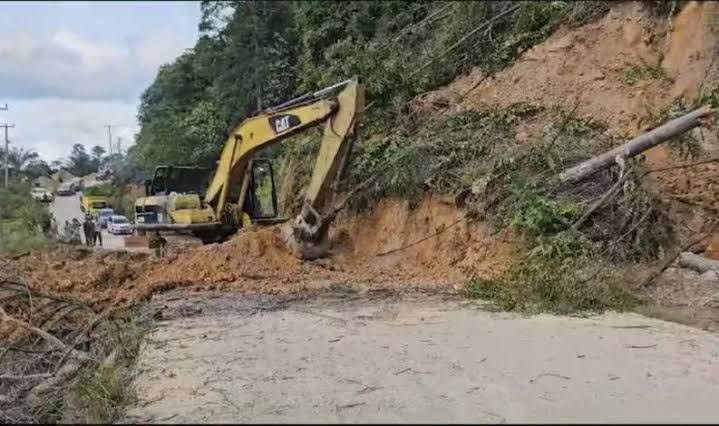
{"x":465,"y":37}
{"x":407,"y":29}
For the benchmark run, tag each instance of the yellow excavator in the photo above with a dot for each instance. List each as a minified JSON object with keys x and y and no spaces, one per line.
{"x":242,"y":190}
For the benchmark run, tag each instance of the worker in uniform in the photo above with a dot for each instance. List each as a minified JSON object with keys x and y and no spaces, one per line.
{"x":157,"y":242}
{"x":88,"y":228}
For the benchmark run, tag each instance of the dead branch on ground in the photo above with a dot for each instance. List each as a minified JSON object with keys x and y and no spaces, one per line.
{"x":672,"y":257}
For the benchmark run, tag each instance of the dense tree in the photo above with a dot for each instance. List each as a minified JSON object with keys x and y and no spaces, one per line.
{"x":251,"y":55}
{"x":80,"y":163}
{"x":37,"y":168}
{"x":97,"y":153}
{"x":56,"y":165}
{"x":19,"y":158}
{"x":25,"y":162}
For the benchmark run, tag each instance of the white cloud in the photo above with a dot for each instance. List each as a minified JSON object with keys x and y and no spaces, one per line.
{"x":94,"y":55}
{"x":158,"y":48}
{"x":82,"y":65}
{"x":52,"y":126}
{"x":66,"y":65}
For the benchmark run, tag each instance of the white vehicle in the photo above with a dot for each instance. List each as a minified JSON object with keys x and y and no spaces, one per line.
{"x":117,"y":224}
{"x":41,"y":194}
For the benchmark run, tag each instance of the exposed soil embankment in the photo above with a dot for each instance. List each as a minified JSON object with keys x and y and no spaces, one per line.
{"x":626,"y":71}
{"x":256,"y":260}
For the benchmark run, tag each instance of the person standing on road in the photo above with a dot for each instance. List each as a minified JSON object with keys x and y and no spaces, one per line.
{"x":88,"y":228}
{"x":46,"y":224}
{"x":97,"y":235}
{"x":75,"y":232}
{"x":157,"y":242}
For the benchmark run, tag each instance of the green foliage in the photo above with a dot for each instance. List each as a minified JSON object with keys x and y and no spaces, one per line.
{"x":21,"y":220}
{"x":80,"y":163}
{"x":100,"y":392}
{"x":446,"y":155}
{"x":636,"y":73}
{"x":102,"y":190}
{"x":25,"y":162}
{"x":556,"y":274}
{"x":540,"y":216}
{"x":258,"y":54}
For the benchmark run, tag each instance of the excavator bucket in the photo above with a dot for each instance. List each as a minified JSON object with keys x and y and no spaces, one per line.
{"x":308,"y":237}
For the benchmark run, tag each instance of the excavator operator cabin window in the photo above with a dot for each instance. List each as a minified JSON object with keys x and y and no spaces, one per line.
{"x":264,"y":199}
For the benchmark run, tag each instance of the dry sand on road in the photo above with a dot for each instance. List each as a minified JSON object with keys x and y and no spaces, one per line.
{"x":231,"y":359}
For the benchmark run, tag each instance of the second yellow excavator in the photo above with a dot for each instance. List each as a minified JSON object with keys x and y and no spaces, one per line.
{"x":242,"y":190}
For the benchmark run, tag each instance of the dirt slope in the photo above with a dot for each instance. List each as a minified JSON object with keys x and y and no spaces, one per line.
{"x":591,"y":63}
{"x":626,"y":71}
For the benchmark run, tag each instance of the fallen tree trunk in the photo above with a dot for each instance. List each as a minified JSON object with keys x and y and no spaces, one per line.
{"x":637,"y":145}
{"x":698,"y":263}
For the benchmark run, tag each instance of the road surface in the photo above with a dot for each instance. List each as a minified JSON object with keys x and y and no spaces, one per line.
{"x":228,"y":358}
{"x":68,"y":207}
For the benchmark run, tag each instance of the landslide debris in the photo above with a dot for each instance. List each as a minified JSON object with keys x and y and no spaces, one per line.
{"x":256,"y":260}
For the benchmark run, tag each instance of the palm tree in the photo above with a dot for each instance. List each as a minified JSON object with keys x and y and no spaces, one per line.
{"x":19,"y":159}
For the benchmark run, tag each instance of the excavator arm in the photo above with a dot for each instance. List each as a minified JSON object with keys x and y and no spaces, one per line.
{"x":339,"y":114}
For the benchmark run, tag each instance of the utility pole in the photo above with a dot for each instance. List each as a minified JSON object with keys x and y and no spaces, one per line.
{"x":119,"y":145}
{"x":109,"y":137}
{"x":7,"y":152}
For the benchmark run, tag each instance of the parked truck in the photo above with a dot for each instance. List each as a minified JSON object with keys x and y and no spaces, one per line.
{"x":89,"y":204}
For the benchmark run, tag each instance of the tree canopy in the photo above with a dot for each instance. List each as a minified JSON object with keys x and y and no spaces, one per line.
{"x":252,"y":55}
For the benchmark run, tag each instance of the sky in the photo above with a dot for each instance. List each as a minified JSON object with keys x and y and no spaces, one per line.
{"x":68,"y":69}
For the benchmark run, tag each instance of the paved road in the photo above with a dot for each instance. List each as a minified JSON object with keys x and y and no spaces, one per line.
{"x":223,"y":358}
{"x":68,"y":207}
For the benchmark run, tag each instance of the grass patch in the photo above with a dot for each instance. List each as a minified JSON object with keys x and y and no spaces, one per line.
{"x":636,"y":73}
{"x":98,"y":395}
{"x":16,"y":238}
{"x":21,"y":220}
{"x":556,"y":275}
{"x":99,"y":391}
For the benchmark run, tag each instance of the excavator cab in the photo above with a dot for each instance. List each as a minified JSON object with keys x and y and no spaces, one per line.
{"x":261,"y":202}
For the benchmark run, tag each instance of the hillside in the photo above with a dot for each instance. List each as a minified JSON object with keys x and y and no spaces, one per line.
{"x":471,"y":208}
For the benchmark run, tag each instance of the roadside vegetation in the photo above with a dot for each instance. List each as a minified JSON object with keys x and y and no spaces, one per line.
{"x":86,"y":376}
{"x":22,"y":220}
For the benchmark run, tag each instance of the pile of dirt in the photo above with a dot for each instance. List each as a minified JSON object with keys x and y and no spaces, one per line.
{"x":395,"y":246}
{"x":90,"y":276}
{"x":255,"y":259}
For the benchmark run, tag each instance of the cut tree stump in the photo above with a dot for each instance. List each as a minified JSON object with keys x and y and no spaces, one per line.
{"x":637,"y":145}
